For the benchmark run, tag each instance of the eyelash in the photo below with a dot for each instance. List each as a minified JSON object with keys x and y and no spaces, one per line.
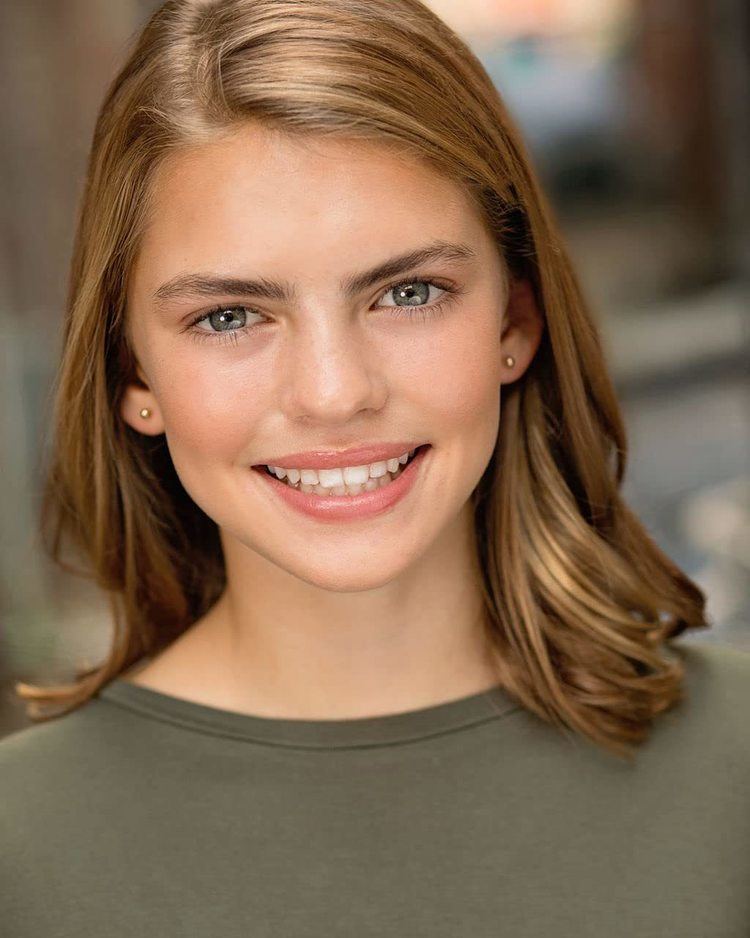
{"x":420,"y":313}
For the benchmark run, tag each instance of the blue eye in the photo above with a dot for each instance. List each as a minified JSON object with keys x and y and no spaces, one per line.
{"x":225,"y":319}
{"x":414,"y":292}
{"x":229,"y":323}
{"x":225,"y":324}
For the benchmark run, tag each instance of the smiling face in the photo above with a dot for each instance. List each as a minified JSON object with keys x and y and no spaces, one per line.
{"x":317,"y":357}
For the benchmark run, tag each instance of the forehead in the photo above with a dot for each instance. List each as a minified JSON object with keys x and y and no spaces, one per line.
{"x":257,"y":191}
{"x":294,"y":172}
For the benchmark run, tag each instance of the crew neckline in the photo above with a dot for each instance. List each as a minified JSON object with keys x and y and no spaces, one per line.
{"x":388,"y":729}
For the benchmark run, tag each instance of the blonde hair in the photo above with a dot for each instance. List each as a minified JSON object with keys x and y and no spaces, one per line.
{"x":579,"y":600}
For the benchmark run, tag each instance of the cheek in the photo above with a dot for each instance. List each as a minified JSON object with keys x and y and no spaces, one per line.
{"x":210,"y":413}
{"x":461,"y":369}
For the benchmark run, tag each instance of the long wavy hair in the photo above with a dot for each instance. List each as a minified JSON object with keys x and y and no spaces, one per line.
{"x":580,"y":602}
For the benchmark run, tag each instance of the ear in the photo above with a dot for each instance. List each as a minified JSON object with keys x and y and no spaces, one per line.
{"x":522,"y":330}
{"x":136,"y":400}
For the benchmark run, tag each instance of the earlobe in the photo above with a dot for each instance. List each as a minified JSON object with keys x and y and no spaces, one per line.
{"x":523,"y":330}
{"x":140,"y":411}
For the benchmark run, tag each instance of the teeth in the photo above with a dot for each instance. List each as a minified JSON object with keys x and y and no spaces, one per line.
{"x":348,"y":475}
{"x":349,"y":480}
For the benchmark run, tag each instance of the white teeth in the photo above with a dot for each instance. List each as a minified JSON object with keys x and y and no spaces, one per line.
{"x":349,"y":480}
{"x":328,"y":477}
{"x":356,"y":475}
{"x":347,"y":475}
{"x":378,"y":469}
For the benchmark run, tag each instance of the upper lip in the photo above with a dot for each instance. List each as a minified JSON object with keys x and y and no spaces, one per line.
{"x":330,"y":459}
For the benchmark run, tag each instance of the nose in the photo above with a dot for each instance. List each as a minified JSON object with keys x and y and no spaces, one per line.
{"x":331,"y":372}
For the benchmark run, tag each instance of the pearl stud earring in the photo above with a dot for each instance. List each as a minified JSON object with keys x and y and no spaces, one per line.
{"x":145,"y":412}
{"x":510,"y":361}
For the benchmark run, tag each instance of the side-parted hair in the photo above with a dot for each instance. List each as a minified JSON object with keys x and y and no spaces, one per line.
{"x":580,"y":602}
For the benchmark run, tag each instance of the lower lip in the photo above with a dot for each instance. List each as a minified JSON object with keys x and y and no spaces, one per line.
{"x":336,"y":508}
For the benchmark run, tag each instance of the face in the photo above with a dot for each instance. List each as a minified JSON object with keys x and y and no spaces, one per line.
{"x":327,"y":359}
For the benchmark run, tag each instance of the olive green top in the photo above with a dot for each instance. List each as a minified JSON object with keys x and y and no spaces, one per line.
{"x":144,"y":814}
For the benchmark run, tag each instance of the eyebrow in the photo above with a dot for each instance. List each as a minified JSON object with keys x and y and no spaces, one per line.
{"x":199,"y":284}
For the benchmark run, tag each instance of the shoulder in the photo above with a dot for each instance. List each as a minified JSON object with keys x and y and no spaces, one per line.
{"x":710,"y":722}
{"x":62,"y":778}
{"x":67,"y":753}
{"x":717,"y":674}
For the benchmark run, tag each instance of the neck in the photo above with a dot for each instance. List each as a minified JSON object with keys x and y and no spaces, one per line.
{"x":294,"y":650}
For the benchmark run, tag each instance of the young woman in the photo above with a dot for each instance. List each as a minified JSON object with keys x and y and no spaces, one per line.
{"x":336,"y":434}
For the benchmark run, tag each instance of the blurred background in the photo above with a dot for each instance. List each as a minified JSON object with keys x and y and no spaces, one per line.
{"x":636,"y":115}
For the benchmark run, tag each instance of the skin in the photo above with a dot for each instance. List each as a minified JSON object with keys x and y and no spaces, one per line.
{"x":360,"y":618}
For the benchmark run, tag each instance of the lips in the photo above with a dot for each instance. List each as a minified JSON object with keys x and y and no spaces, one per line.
{"x":337,"y":509}
{"x":264,"y":466}
{"x":354,"y":456}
